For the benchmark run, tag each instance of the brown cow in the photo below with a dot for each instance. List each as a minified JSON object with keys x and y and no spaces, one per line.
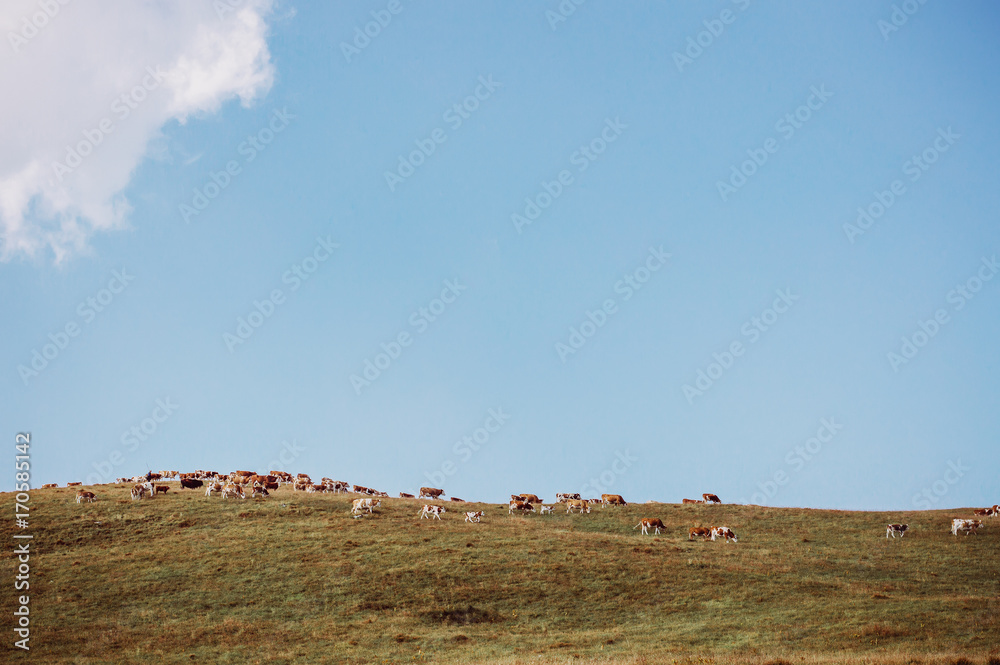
{"x":404,"y":495}
{"x":700,"y":532}
{"x":528,"y":498}
{"x":455,"y":498}
{"x":430,"y":493}
{"x":612,"y":500}
{"x":73,"y":484}
{"x":84,"y":495}
{"x":47,"y":485}
{"x":191,"y":483}
{"x":161,"y":489}
{"x":711,"y":498}
{"x":579,"y":504}
{"x":692,"y":501}
{"x":650,"y":523}
{"x":522,"y":506}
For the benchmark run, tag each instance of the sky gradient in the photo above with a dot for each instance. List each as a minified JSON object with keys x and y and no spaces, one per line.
{"x":655,"y":250}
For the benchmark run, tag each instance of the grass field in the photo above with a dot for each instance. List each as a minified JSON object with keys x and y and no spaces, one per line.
{"x":294,"y":579}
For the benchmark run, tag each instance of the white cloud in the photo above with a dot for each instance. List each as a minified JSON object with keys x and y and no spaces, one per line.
{"x":107,"y":75}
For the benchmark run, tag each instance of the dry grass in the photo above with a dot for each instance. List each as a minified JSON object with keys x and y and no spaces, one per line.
{"x":185,"y":578}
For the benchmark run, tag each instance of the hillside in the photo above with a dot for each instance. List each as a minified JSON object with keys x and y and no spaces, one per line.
{"x":292,"y":579}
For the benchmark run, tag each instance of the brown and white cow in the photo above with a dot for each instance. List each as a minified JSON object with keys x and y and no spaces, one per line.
{"x":612,"y":500}
{"x":47,"y":485}
{"x":692,"y":501}
{"x":430,"y":493}
{"x":893,"y":529}
{"x":259,"y":492}
{"x":545,"y":510}
{"x":359,"y":505}
{"x":965,"y":526}
{"x":138,"y":491}
{"x":476,"y":516}
{"x":213,"y":487}
{"x":711,"y":498}
{"x":233,"y":490}
{"x":527,"y":498}
{"x":432,"y":512}
{"x":74,"y":484}
{"x":84,"y":495}
{"x":723,"y":532}
{"x":578,"y":504}
{"x":563,"y":497}
{"x":404,"y":495}
{"x":522,"y":506}
{"x":982,"y":512}
{"x":650,"y":523}
{"x":700,"y":532}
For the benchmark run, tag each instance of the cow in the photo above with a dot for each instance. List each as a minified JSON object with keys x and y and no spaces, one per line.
{"x":404,"y":495}
{"x":965,"y":526}
{"x":522,"y":506}
{"x":47,"y":485}
{"x":213,"y":487}
{"x":692,"y":501}
{"x":563,"y":497}
{"x":259,"y":492}
{"x":476,"y":516}
{"x":191,"y":483}
{"x":724,"y":532}
{"x":359,"y":505}
{"x":995,"y":511}
{"x":650,"y":523}
{"x":893,"y":529}
{"x":982,"y":512}
{"x":430,"y":493}
{"x":138,"y":491}
{"x":579,"y":504}
{"x":700,"y":532}
{"x":73,"y":484}
{"x":527,"y":498}
{"x":358,"y":489}
{"x":233,"y":490}
{"x":434,"y":512}
{"x":545,"y":510}
{"x":711,"y":498}
{"x":84,"y":495}
{"x":456,"y":499}
{"x":161,"y":489}
{"x":271,"y":486}
{"x":612,"y":500}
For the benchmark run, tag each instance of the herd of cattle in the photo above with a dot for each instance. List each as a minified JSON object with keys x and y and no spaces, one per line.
{"x":239,"y":484}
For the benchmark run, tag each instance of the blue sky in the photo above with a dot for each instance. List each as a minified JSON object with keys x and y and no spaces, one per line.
{"x":812,"y":411}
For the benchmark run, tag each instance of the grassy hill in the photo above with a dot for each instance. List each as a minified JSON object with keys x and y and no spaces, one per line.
{"x":292,"y":579}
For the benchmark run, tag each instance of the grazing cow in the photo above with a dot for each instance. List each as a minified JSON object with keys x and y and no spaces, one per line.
{"x":259,"y":492}
{"x":358,"y":505}
{"x":213,"y":487}
{"x":271,"y":486}
{"x":83,"y":495}
{"x":233,"y":490}
{"x":47,"y":485}
{"x":433,"y":511}
{"x":711,"y":498}
{"x":358,"y":489}
{"x":523,"y":506}
{"x":545,"y":510}
{"x":724,"y":532}
{"x":650,"y":523}
{"x":700,"y":532}
{"x":456,"y":499}
{"x":138,"y":491}
{"x":893,"y":529}
{"x":579,"y":504}
{"x":965,"y":526}
{"x":430,"y":493}
{"x":982,"y":512}
{"x":404,"y":495}
{"x":692,"y":501}
{"x":527,"y":498}
{"x":995,"y":510}
{"x":565,"y":496}
{"x":191,"y":483}
{"x":73,"y":484}
{"x":476,"y":516}
{"x":612,"y":500}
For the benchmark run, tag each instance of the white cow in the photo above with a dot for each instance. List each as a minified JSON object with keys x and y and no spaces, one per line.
{"x":475,"y":516}
{"x":359,"y":505}
{"x":432,"y":512}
